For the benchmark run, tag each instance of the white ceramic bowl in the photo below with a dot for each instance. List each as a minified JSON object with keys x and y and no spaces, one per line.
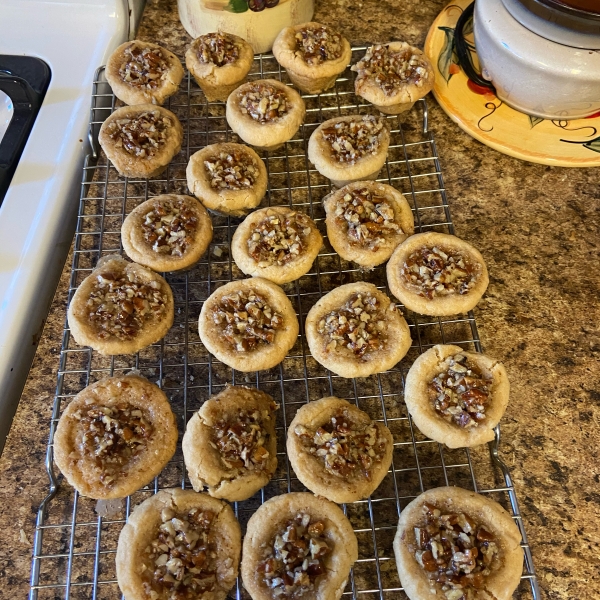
{"x":530,"y":73}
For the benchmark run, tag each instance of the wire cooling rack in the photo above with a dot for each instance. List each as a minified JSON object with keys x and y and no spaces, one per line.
{"x":74,"y":547}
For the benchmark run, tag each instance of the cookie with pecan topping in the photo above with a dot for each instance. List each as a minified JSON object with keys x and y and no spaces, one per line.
{"x":437,"y":274}
{"x":454,"y":544}
{"x":337,"y":451}
{"x":179,"y":544}
{"x":351,"y":148}
{"x":141,"y":140}
{"x":277,"y":243}
{"x":167,"y":233}
{"x":313,"y":55}
{"x":265,"y":113}
{"x":393,"y":77}
{"x":120,"y":308}
{"x":115,"y":436}
{"x":249,"y":325}
{"x":230,"y":445}
{"x":356,"y":331}
{"x":456,"y":397}
{"x":227,"y":178}
{"x":366,"y":220}
{"x":219,"y":62}
{"x":298,"y":546}
{"x":143,"y":73}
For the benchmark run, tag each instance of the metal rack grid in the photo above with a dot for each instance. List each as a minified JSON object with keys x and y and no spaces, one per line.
{"x":74,"y":547}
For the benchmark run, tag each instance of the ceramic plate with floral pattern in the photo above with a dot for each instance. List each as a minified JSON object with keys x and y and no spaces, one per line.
{"x":481,"y":114}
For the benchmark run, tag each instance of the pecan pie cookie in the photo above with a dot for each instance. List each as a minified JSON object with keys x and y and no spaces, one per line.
{"x":366,"y":220}
{"x":277,"y":243}
{"x":249,"y":325}
{"x":265,"y":113}
{"x":227,"y":178}
{"x":141,"y":140}
{"x":313,"y":55}
{"x":167,"y":232}
{"x":298,"y":546}
{"x":456,"y":397}
{"x":356,"y":331}
{"x":115,"y":436}
{"x":437,"y":274}
{"x":179,"y":544}
{"x":219,"y":62}
{"x":393,"y":77}
{"x":230,"y":445}
{"x":347,"y":149}
{"x":453,"y":544}
{"x":120,"y":308}
{"x":337,"y":451}
{"x":143,"y":73}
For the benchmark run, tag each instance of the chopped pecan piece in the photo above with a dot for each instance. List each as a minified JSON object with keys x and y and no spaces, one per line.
{"x":241,"y":442}
{"x":297,"y":557}
{"x":119,"y":307}
{"x":264,"y":102}
{"x":113,"y":436}
{"x":459,"y":392}
{"x":143,"y":67}
{"x":455,"y":552}
{"x":278,"y":239}
{"x":347,"y":449}
{"x":232,"y":171}
{"x":141,"y":135}
{"x":247,"y":320}
{"x":358,"y":325}
{"x":317,"y":44}
{"x":352,"y":140}
{"x":368,"y":217}
{"x":392,"y":70}
{"x":169,"y":227}
{"x":217,"y":48}
{"x":180,"y":562}
{"x":433,"y":272}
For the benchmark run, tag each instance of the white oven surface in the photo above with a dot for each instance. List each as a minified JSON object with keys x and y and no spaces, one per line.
{"x":37,"y":217}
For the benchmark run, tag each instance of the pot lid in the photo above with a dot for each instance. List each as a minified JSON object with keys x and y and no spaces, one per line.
{"x":560,"y":22}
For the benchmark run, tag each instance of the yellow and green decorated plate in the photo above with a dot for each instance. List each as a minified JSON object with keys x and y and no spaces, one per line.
{"x":485,"y":117}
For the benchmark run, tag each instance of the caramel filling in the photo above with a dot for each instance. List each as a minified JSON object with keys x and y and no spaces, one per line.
{"x":296,"y":558}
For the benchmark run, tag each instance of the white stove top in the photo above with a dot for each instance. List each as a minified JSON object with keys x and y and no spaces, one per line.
{"x":37,"y":217}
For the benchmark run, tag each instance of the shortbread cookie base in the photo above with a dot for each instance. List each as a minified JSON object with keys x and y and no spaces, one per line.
{"x":143,"y":167}
{"x":337,"y":232}
{"x":312,"y":79}
{"x":271,"y":135}
{"x":310,"y":468}
{"x":340,"y":174}
{"x":131,"y":94}
{"x":500,"y":584}
{"x":80,"y":469}
{"x":343,"y":362}
{"x":218,"y":82}
{"x":406,"y":96}
{"x":85,"y":334}
{"x":439,"y":305}
{"x":141,"y":529}
{"x":290,"y":271}
{"x":203,"y":463}
{"x":140,"y":250}
{"x":264,"y":356}
{"x":429,"y":422}
{"x":273,"y":516}
{"x":235,"y":203}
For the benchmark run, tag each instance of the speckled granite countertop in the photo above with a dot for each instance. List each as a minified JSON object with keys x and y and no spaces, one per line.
{"x":539,"y":229}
